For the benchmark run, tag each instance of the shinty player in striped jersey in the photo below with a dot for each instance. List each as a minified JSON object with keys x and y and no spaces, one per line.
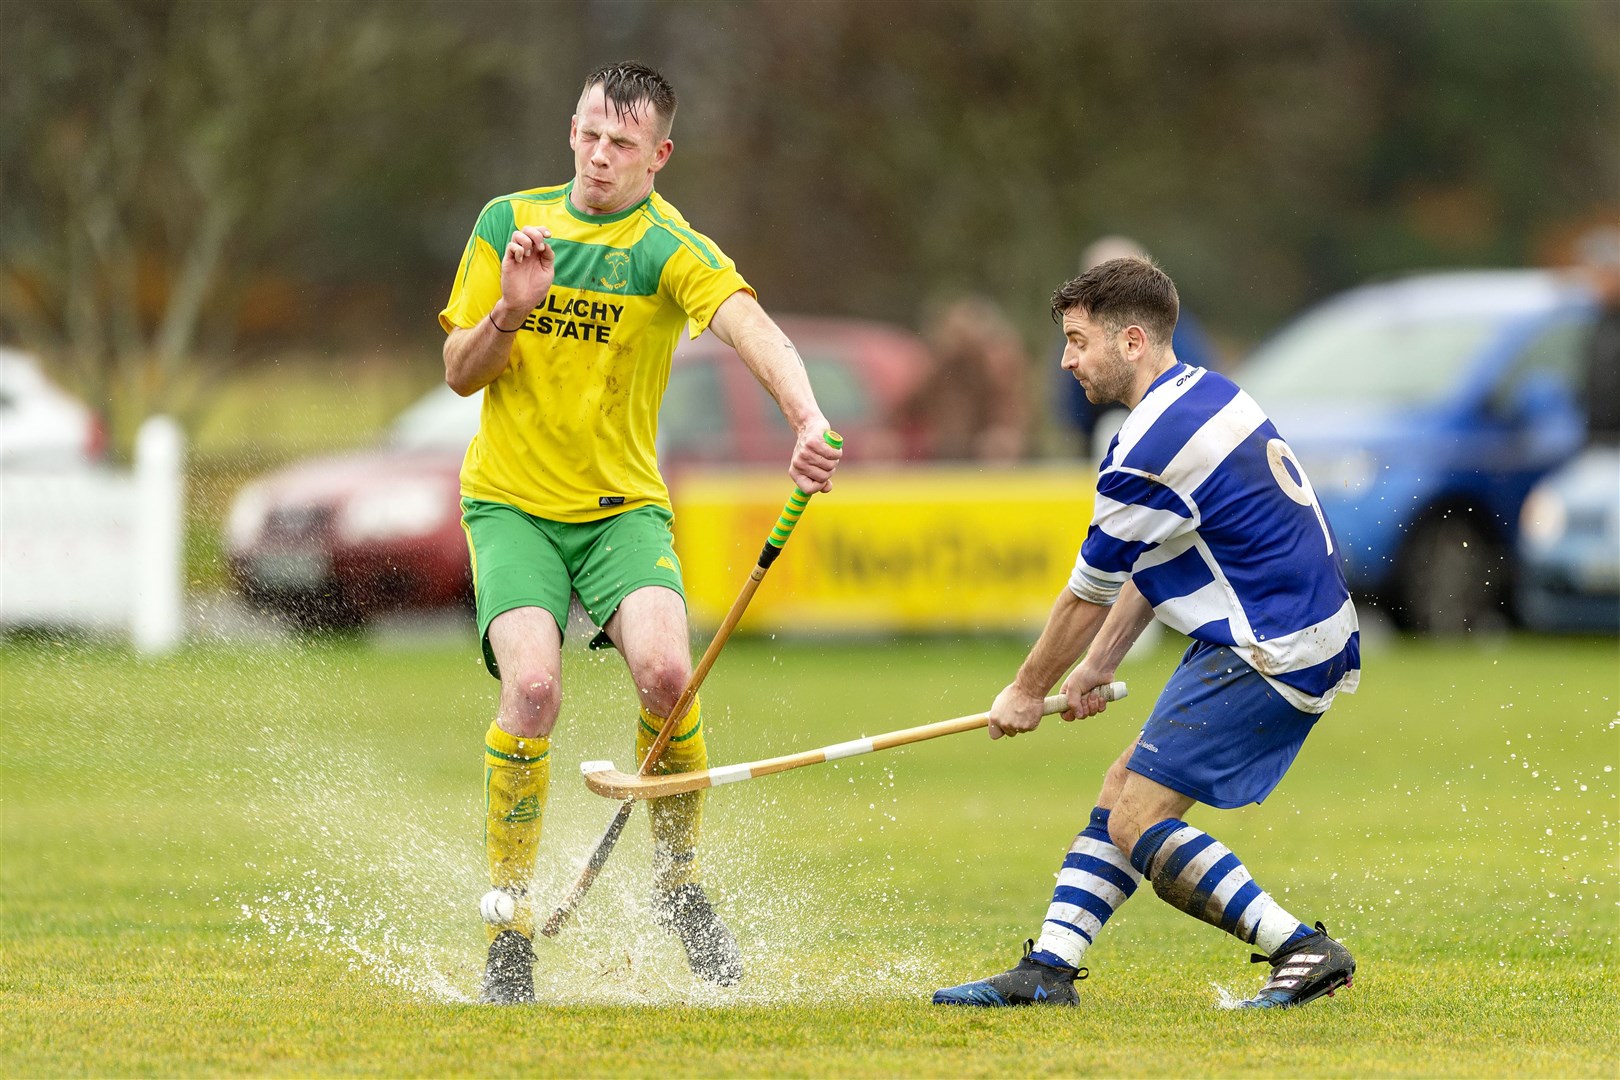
{"x":1204,"y":519}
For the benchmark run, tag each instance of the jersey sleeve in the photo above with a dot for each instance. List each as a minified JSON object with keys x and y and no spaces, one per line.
{"x":1134,"y":515}
{"x":699,"y":278}
{"x":478,"y":278}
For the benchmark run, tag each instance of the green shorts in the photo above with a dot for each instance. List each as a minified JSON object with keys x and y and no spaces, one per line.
{"x":520,"y":560}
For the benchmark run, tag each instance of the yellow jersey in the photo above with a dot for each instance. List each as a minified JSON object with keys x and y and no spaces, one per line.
{"x":567,"y":432}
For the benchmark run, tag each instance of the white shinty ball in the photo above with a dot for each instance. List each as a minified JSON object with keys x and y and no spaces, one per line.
{"x":498,"y":906}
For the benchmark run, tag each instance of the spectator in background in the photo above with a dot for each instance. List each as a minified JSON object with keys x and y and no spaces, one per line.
{"x":1600,"y":256}
{"x":1190,"y":344}
{"x":975,"y":403}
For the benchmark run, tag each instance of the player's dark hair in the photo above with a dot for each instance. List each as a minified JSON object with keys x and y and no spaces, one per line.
{"x":1120,"y":292}
{"x":627,"y":85}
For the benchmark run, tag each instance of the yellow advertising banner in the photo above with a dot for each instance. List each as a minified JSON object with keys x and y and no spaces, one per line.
{"x":888,"y":550}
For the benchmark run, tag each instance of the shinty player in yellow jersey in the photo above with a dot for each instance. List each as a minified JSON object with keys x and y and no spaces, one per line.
{"x":535,"y":532}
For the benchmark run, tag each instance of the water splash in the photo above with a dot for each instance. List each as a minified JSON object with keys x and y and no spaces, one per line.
{"x":362,"y":871}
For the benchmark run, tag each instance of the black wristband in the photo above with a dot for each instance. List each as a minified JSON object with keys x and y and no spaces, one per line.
{"x":501,"y":328}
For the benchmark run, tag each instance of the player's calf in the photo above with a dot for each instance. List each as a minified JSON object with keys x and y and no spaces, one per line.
{"x":517,"y":772}
{"x":1195,"y":873}
{"x":676,"y":821}
{"x":1095,"y":879}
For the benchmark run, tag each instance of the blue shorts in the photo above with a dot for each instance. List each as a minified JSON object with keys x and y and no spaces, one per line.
{"x":1219,"y":733}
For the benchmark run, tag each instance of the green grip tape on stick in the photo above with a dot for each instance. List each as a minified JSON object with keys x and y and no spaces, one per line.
{"x":791,"y":512}
{"x":789,"y":518}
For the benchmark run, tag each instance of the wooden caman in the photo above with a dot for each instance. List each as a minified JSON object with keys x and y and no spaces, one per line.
{"x":604,"y":846}
{"x":603,"y":779}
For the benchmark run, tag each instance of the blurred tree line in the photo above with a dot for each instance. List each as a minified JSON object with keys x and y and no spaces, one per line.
{"x":187,"y":187}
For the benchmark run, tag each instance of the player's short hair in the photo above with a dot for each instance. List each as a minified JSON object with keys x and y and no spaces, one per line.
{"x":628,"y":85}
{"x":1120,"y":292}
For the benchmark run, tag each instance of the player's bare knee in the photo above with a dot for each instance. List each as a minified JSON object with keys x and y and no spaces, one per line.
{"x":660,"y":684}
{"x":530,"y":701}
{"x":1114,"y":779}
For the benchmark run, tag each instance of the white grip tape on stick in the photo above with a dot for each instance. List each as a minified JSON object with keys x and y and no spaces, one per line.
{"x":727,"y":774}
{"x":848,"y":749}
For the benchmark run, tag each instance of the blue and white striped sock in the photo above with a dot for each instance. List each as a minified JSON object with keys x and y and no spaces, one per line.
{"x":1193,"y":872}
{"x":1095,"y":879}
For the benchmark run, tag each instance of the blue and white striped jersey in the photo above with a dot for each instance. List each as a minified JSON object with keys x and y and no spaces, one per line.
{"x":1202,"y":504}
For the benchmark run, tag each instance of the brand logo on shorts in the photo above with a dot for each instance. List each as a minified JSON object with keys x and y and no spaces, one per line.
{"x":1149,"y":747}
{"x":663,"y":561}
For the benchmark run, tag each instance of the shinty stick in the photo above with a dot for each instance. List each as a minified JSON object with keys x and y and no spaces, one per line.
{"x":604,"y":846}
{"x":601,"y":777}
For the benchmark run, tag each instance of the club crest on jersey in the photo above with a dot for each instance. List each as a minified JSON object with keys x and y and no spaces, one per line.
{"x":618,"y":269}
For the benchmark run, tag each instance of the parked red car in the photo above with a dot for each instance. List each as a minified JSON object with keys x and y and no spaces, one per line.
{"x":332,"y":541}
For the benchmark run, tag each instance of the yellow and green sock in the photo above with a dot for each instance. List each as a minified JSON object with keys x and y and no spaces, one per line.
{"x":516,"y":774}
{"x":677,"y":820}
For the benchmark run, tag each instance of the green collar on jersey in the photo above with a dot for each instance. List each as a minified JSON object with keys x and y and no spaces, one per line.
{"x":597,"y":219}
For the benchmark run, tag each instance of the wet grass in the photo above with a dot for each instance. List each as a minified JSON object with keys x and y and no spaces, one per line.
{"x":267,"y":861}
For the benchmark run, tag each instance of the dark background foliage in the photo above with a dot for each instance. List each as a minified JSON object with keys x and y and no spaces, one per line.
{"x":187,"y":187}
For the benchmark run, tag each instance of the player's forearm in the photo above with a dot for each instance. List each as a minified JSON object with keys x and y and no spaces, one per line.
{"x":776,"y":364}
{"x":771,"y":357}
{"x":1069,"y":631}
{"x":474,"y":357}
{"x":1126,"y":620}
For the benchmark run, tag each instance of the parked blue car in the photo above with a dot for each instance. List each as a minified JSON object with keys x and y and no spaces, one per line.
{"x":1423,"y":410}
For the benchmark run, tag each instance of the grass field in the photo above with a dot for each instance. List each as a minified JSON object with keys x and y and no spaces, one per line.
{"x":267,"y":861}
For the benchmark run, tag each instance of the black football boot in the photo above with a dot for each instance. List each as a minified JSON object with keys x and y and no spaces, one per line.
{"x":509,"y":975}
{"x":1029,"y":983}
{"x":711,"y":951}
{"x":1302,"y":972}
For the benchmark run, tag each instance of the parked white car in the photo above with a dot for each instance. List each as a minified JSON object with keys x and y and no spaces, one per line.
{"x":1569,"y":546}
{"x":41,"y":424}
